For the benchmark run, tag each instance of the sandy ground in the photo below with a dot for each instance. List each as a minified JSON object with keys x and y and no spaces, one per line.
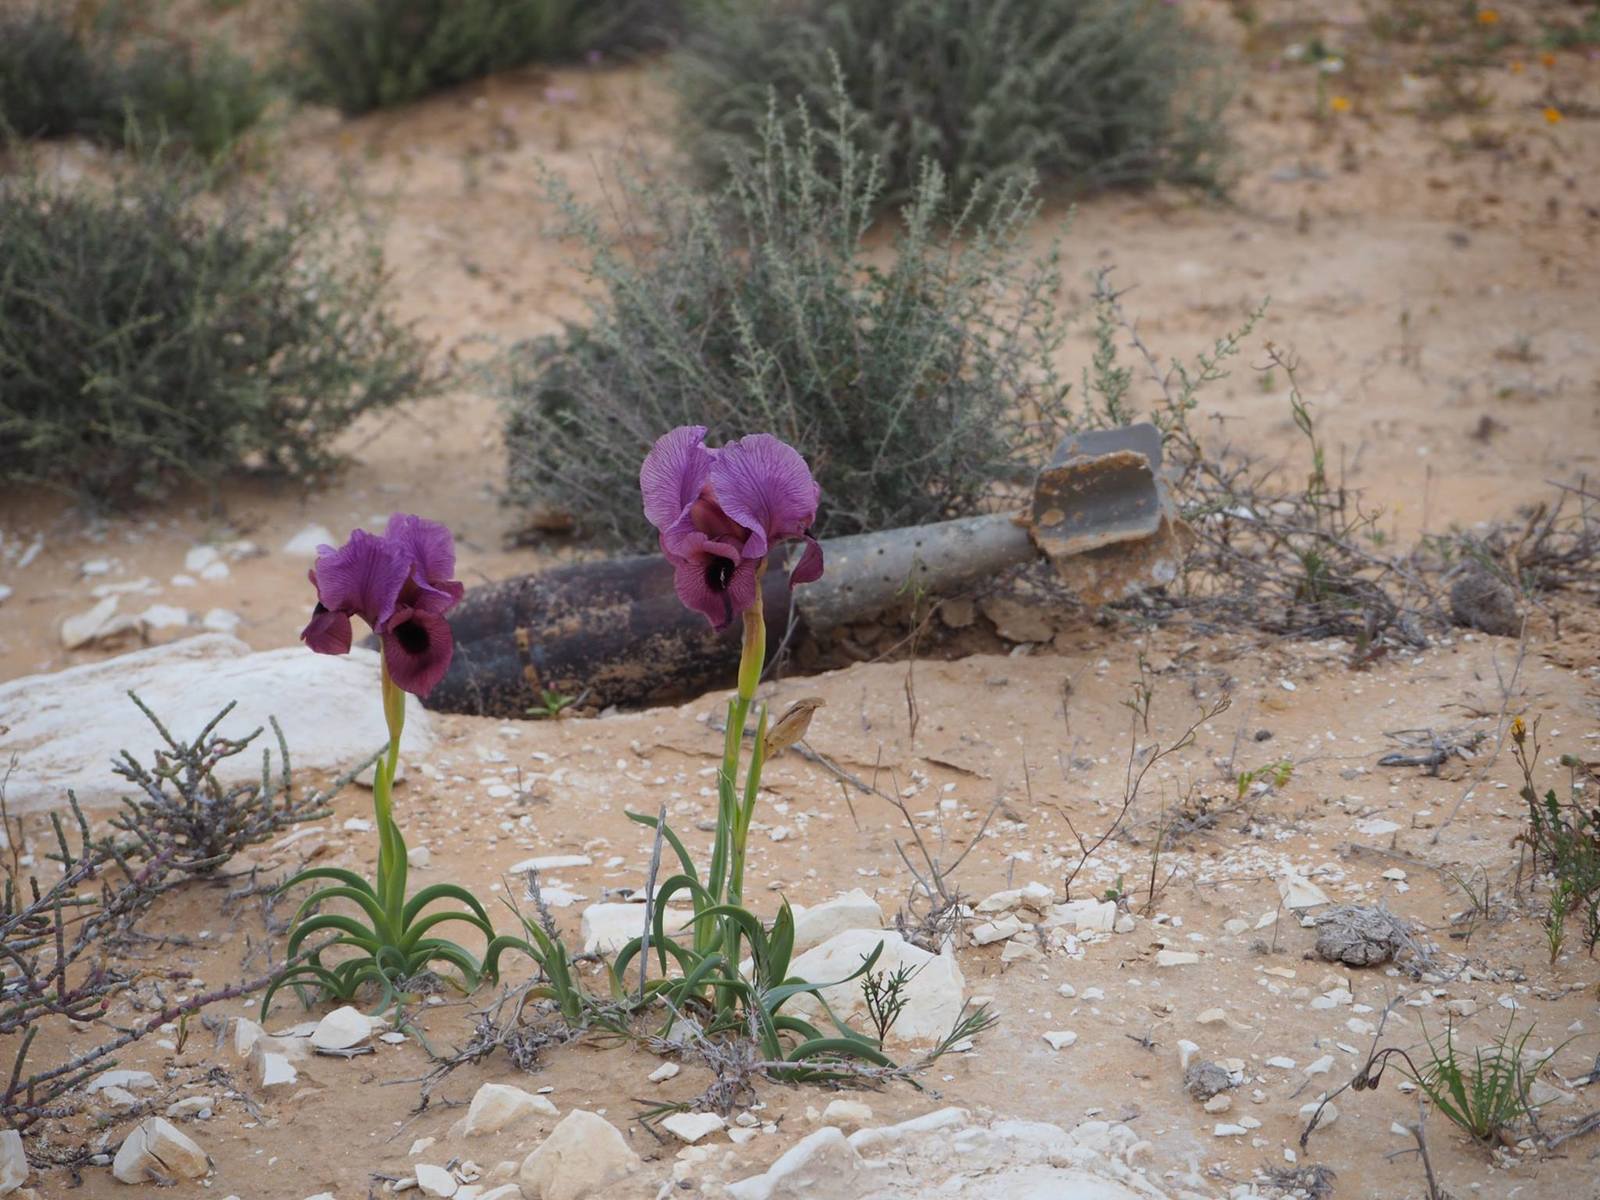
{"x":1435,"y":276}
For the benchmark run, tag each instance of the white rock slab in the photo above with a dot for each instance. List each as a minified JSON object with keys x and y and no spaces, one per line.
{"x":934,"y":994}
{"x":852,"y":910}
{"x":690,"y":1127}
{"x":65,"y":728}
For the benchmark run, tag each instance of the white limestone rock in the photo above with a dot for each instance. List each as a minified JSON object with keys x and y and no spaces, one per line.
{"x":158,"y":1151}
{"x":304,"y":544}
{"x":1299,"y":892}
{"x":61,"y":723}
{"x":851,"y":910}
{"x":690,"y":1127}
{"x":607,"y":928}
{"x":934,"y":994}
{"x":343,"y":1029}
{"x":132,"y":1080}
{"x":14,"y":1167}
{"x":497,"y":1106}
{"x":846,"y":1114}
{"x":583,"y":1155}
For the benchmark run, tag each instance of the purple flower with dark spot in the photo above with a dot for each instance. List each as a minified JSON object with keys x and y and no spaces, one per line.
{"x":721,"y":512}
{"x":400,"y":585}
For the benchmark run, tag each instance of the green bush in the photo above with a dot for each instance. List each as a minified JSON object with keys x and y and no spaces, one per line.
{"x":366,"y":54}
{"x":1079,"y":93}
{"x":915,"y":375}
{"x":141,"y":343}
{"x":55,"y":83}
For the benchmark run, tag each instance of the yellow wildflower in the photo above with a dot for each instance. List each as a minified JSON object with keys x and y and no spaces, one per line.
{"x":1547,"y":59}
{"x":1516,"y":66}
{"x":1518,"y":731}
{"x":1340,"y":104}
{"x":1488,"y":16}
{"x":1552,"y":115}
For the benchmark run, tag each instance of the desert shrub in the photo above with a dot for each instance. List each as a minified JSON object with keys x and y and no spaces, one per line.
{"x":366,"y":54}
{"x":141,"y":342}
{"x":915,"y":375}
{"x":1080,"y":93}
{"x":56,"y":82}
{"x":50,"y":85}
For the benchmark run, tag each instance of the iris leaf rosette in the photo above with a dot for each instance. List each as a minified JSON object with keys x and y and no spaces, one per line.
{"x":399,"y":584}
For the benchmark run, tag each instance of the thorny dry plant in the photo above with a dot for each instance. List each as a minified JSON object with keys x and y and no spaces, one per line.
{"x":60,"y":943}
{"x":1307,"y":559}
{"x":1140,"y":762}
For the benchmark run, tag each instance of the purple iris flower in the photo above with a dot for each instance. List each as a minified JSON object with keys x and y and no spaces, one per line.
{"x":400,"y":585}
{"x":721,"y":512}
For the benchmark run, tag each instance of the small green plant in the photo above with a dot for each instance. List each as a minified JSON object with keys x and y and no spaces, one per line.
{"x":1076,"y":93}
{"x":552,"y":704}
{"x":885,"y":996}
{"x":50,"y":84}
{"x":148,"y":337}
{"x":366,"y":54}
{"x":1277,"y":773}
{"x":1564,"y":840}
{"x":913,"y":393}
{"x":1486,"y":1096}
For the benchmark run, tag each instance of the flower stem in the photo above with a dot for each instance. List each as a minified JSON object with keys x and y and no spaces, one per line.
{"x":394,"y":715}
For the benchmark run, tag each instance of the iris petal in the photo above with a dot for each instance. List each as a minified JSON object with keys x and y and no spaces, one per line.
{"x":361,"y":578}
{"x":673,"y":474}
{"x":417,"y":648}
{"x":764,"y":485}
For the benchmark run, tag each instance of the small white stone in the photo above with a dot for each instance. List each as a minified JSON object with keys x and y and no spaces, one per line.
{"x":199,"y":558}
{"x":191,"y":1106}
{"x":158,"y":1150}
{"x":996,"y":931}
{"x":691,"y":1127}
{"x":1299,"y":892}
{"x":435,"y":1181}
{"x":215,"y":571}
{"x":420,"y":1146}
{"x":1126,"y":923}
{"x":14,"y":1167}
{"x":846,"y":1114}
{"x":246,"y":1033}
{"x":132,"y":1080}
{"x":1322,"y":1066}
{"x":495,"y":1106}
{"x":1186,"y":1051}
{"x":1020,"y":951}
{"x":221,"y":620}
{"x":118,"y":1099}
{"x":1395,"y":874}
{"x":271,"y":1067}
{"x":1220,"y":1103}
{"x":664,"y":1072}
{"x":1229,"y":1131}
{"x":1281,"y":1063}
{"x":1176,"y":958}
{"x":164,"y":616}
{"x":1330,"y":1112}
{"x":1060,"y":1039}
{"x":304,"y":544}
{"x":419,"y":856}
{"x":552,"y":862}
{"x":342,"y":1029}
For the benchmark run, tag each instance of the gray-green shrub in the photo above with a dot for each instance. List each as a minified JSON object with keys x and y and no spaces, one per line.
{"x":142,"y":342}
{"x":1079,"y":93}
{"x":913,"y":371}
{"x":366,"y":54}
{"x":56,"y":82}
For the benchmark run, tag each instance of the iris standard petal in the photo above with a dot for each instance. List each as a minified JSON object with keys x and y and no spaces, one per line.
{"x":673,"y":473}
{"x":432,"y":551}
{"x":765,"y":485}
{"x":361,"y":578}
{"x":417,"y":648}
